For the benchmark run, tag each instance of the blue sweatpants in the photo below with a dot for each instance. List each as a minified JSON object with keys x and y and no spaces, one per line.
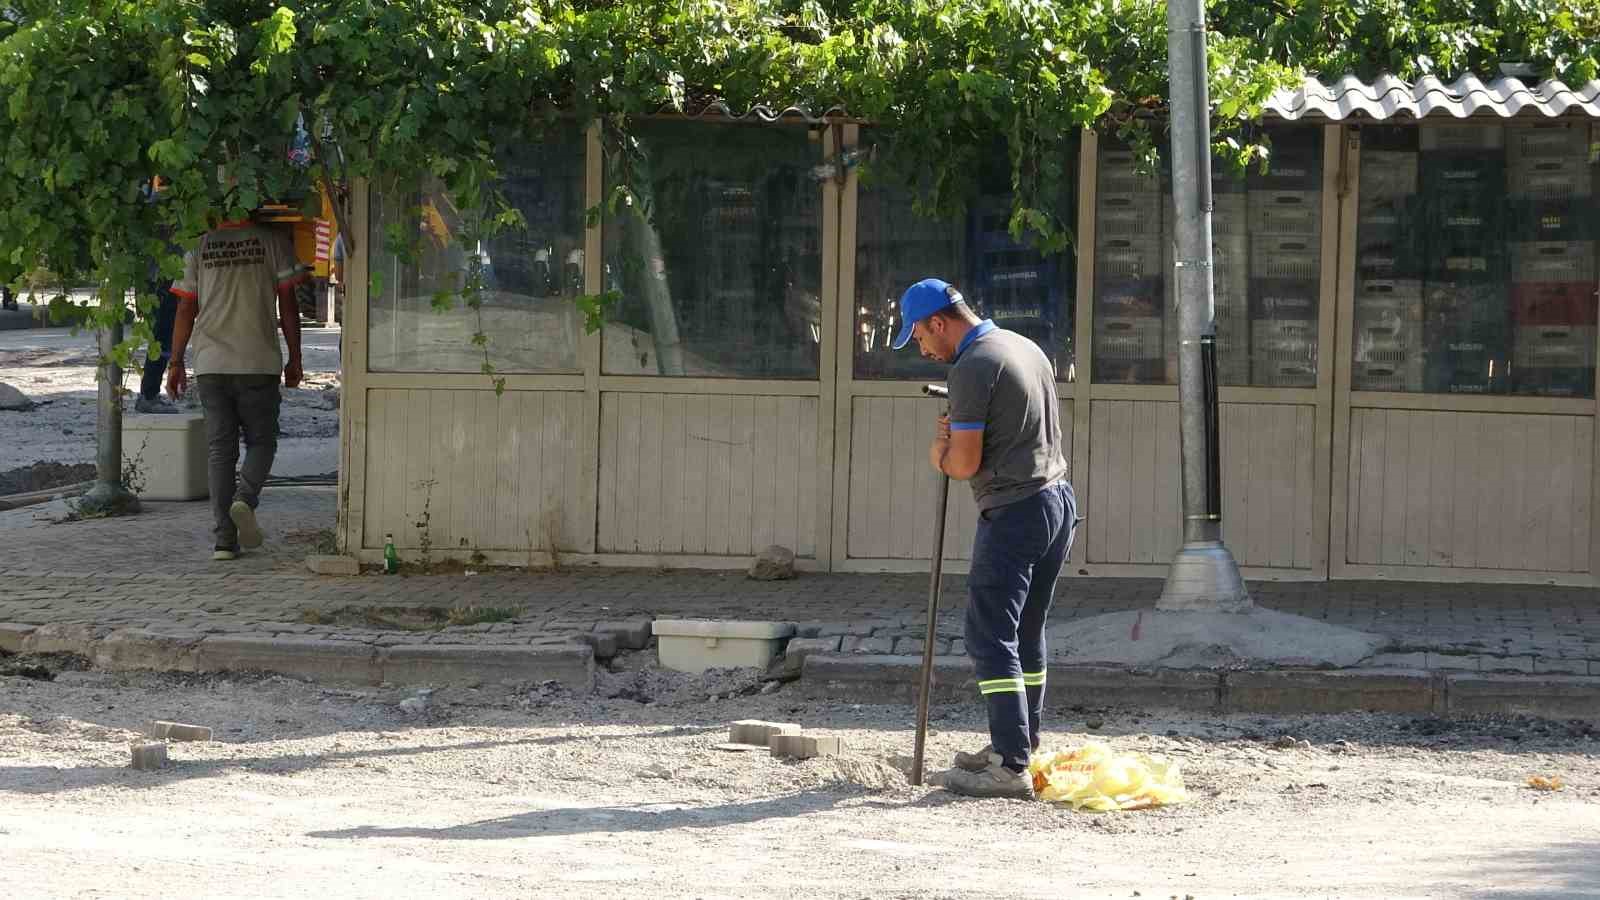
{"x":1016,"y":558}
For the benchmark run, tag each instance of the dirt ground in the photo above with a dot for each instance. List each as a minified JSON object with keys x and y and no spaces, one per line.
{"x":43,"y":475}
{"x":55,"y":369}
{"x":531,"y":791}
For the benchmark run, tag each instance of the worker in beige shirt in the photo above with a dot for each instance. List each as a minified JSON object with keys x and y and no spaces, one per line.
{"x":237,"y":291}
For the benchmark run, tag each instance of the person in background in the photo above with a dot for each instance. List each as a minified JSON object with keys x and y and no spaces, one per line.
{"x":155,"y":365}
{"x":7,"y":299}
{"x":237,"y":290}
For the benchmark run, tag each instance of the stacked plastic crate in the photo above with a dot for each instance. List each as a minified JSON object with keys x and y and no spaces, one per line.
{"x":1387,"y":322}
{"x":1019,"y":288}
{"x":1230,"y":272}
{"x":1128,"y":272}
{"x":1462,"y":228}
{"x":1552,"y":258}
{"x":1284,"y":212}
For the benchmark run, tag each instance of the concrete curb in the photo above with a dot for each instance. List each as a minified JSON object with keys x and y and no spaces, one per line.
{"x":893,"y":679}
{"x":846,"y":677}
{"x":131,"y":649}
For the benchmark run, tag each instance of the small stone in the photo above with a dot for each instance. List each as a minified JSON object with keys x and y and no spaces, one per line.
{"x":11,"y":398}
{"x":873,"y":645}
{"x":804,"y":746}
{"x":603,"y":642}
{"x":774,"y":564}
{"x":414,"y":706}
{"x":147,"y":757}
{"x":788,"y":666}
{"x":1094,"y":724}
{"x":177,"y":731}
{"x":1341,"y":746}
{"x":632,"y":634}
{"x":656,"y":771}
{"x":1286,"y":742}
{"x":772,"y":687}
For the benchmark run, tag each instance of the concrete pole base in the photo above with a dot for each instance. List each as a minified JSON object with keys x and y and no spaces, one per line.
{"x":1204,"y":578}
{"x":107,"y":498}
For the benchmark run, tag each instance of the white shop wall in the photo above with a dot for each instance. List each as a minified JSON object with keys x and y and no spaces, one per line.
{"x":1319,"y":481}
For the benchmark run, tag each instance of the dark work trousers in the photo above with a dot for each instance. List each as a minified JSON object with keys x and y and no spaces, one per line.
{"x":166,"y":314}
{"x":235,"y":404}
{"x":1016,"y":558}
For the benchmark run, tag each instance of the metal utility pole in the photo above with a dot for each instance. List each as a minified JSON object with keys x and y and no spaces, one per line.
{"x":1204,"y":575}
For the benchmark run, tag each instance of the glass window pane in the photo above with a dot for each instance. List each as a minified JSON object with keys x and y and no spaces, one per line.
{"x":719,"y":264}
{"x":1266,"y":276}
{"x":1020,"y":288}
{"x":1476,"y":260}
{"x":417,"y":320}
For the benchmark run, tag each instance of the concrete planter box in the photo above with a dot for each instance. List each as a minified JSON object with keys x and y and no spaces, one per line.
{"x":695,"y":645}
{"x":169,"y":452}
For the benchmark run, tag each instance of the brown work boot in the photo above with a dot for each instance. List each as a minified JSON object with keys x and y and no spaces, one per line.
{"x":992,"y":780}
{"x":976,"y":762}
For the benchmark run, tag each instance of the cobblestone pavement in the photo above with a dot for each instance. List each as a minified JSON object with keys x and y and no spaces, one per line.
{"x":153,"y":571}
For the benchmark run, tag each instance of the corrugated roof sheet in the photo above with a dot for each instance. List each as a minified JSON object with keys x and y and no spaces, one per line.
{"x":1389,"y":98}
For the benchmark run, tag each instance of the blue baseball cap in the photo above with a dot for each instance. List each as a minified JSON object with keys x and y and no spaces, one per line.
{"x":920,"y":301}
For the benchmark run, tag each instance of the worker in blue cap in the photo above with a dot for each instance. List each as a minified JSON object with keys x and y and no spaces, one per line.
{"x":1003,"y":435}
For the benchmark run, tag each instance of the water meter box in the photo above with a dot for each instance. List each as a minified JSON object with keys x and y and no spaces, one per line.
{"x":694,"y":645}
{"x":166,"y":456}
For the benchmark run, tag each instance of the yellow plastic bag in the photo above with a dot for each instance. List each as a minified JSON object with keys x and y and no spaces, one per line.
{"x":1093,"y":777}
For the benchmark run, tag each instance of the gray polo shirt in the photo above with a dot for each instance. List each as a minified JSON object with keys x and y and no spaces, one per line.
{"x":1003,"y":384}
{"x":236,"y":273}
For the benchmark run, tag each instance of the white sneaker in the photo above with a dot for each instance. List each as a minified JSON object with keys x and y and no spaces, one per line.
{"x":244,"y":518}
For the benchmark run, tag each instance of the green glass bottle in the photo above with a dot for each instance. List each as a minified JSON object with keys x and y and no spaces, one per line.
{"x":391,"y":559}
